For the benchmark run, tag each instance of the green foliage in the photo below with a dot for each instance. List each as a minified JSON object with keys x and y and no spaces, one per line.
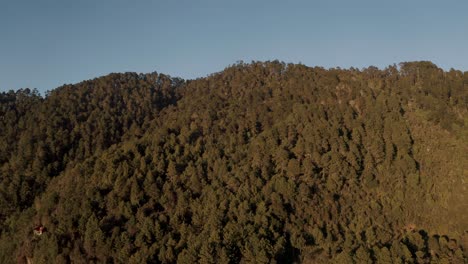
{"x":259,"y":163}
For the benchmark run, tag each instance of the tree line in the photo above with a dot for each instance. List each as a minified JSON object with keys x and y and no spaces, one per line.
{"x":263,"y":162}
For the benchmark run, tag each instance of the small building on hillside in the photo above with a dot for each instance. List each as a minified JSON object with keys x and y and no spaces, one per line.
{"x":39,"y":230}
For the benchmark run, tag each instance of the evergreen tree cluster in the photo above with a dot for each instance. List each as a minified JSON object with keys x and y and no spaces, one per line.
{"x":263,"y":162}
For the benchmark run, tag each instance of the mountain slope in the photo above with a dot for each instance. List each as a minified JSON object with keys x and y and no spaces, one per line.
{"x":259,"y":163}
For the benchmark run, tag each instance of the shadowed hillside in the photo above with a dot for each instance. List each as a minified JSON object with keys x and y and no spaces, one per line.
{"x":262,"y":162}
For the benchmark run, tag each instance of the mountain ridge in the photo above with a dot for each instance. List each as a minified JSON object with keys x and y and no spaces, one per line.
{"x":264,"y":161}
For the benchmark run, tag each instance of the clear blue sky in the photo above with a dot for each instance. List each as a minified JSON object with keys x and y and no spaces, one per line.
{"x":44,"y":44}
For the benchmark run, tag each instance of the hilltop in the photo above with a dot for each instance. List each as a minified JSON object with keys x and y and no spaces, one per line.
{"x":261,"y":162}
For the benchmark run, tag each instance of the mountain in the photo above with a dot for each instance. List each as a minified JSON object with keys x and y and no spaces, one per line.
{"x":262,"y":162}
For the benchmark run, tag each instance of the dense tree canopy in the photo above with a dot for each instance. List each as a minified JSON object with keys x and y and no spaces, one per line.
{"x":262,"y":162}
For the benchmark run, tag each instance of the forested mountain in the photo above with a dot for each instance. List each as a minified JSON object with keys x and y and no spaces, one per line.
{"x":262,"y":162}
